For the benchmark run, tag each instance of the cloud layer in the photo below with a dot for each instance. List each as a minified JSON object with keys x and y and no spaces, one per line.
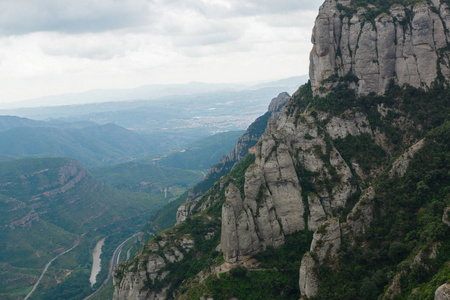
{"x":56,"y":46}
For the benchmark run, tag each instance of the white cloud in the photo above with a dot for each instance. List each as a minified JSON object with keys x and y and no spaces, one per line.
{"x":59,"y":46}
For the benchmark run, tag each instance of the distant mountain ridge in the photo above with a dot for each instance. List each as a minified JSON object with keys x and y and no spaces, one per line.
{"x":147,"y":92}
{"x":91,"y":145}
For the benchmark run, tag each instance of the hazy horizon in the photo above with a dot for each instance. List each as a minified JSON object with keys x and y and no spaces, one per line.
{"x":52,"y":48}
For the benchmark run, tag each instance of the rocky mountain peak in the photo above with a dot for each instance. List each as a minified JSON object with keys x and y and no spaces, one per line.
{"x":371,"y":47}
{"x":277,"y":103}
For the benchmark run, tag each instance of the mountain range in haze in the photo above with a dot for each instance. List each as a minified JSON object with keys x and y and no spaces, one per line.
{"x":150,"y":92}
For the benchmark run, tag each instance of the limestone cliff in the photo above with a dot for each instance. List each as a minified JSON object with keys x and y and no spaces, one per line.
{"x":274,"y":205}
{"x":374,"y":46}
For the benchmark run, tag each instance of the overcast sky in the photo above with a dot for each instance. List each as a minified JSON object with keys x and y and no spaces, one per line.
{"x":59,"y":46}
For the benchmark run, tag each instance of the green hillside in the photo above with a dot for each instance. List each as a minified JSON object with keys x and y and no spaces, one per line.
{"x":199,"y":155}
{"x":46,"y":206}
{"x":94,"y":145}
{"x":150,"y":179}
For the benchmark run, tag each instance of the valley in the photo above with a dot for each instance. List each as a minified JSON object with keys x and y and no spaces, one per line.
{"x":56,"y":210}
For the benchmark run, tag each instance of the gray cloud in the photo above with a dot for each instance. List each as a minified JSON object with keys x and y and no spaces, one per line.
{"x":81,"y":16}
{"x":26,"y":16}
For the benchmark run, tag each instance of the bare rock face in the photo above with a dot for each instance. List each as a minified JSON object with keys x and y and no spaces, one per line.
{"x":309,"y":282}
{"x":404,"y":45}
{"x":182,"y":213}
{"x":316,"y":213}
{"x":238,"y":239}
{"x":278,"y":103}
{"x":442,"y":292}
{"x":361,"y":215}
{"x":272,"y":204}
{"x":133,"y":287}
{"x":400,"y":166}
{"x":446,"y":216}
{"x":326,"y":242}
{"x":135,"y":280}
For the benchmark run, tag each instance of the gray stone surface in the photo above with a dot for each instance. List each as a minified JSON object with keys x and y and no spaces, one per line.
{"x":391,"y":49}
{"x":442,"y":292}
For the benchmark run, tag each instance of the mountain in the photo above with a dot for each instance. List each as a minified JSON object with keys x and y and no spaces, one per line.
{"x":236,"y":155}
{"x":9,"y":122}
{"x":345,"y":195}
{"x":48,"y":206}
{"x":153,"y":91}
{"x":91,"y":145}
{"x":199,"y":155}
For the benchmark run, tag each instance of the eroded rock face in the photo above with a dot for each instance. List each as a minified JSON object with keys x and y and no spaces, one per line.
{"x":272,"y":204}
{"x":309,"y":282}
{"x":326,"y":242}
{"x":400,"y":166}
{"x":442,"y":292}
{"x":446,"y":216}
{"x":135,"y":280}
{"x":361,"y":215}
{"x":252,"y":134}
{"x":403,"y":45}
{"x":133,"y":287}
{"x":239,"y":240}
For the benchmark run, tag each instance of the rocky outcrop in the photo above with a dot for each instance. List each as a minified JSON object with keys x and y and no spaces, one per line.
{"x":309,"y":281}
{"x":326,"y":242}
{"x":446,"y":216}
{"x":403,"y":45}
{"x":273,"y":204}
{"x":227,"y":162}
{"x":183,"y":212}
{"x":299,"y":180}
{"x":361,"y":215}
{"x":144,"y":277}
{"x":395,"y":287}
{"x":400,"y":166}
{"x":133,"y":287}
{"x":26,"y":221}
{"x":68,"y":176}
{"x":239,"y":240}
{"x":442,"y":292}
{"x":252,"y":135}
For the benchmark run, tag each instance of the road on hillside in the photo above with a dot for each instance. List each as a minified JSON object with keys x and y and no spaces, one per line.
{"x":116,"y":257}
{"x":48,"y":265}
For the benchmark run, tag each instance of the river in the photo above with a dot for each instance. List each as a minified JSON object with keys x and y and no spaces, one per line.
{"x":96,"y":261}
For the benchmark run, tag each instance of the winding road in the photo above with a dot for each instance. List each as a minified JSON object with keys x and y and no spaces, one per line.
{"x":113,"y":263}
{"x":48,"y":265}
{"x":116,"y":257}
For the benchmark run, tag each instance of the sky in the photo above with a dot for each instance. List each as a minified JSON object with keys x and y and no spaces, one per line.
{"x":50,"y":47}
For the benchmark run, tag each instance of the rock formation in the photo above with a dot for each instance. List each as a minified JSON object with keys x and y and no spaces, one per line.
{"x":325,"y":244}
{"x":403,"y":45}
{"x":273,"y":202}
{"x":227,"y":162}
{"x":443,"y":292}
